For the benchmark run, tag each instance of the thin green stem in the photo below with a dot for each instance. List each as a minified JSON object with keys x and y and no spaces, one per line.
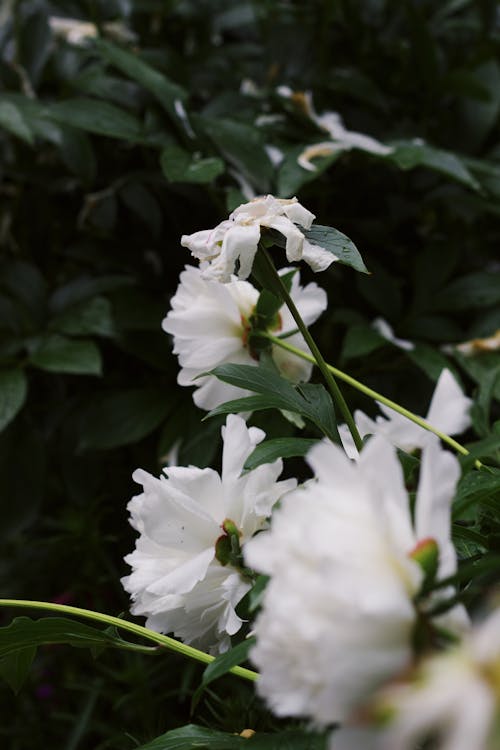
{"x":373,"y":394}
{"x":162,"y":640}
{"x":317,"y":357}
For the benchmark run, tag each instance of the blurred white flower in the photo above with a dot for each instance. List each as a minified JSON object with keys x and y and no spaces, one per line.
{"x":477,"y":346}
{"x":448,"y":412}
{"x":235,"y":240}
{"x":177,"y":581}
{"x":341,"y":139}
{"x":210,"y":323}
{"x":344,"y":554}
{"x":385,"y":330}
{"x":455,"y":697}
{"x":77,"y":32}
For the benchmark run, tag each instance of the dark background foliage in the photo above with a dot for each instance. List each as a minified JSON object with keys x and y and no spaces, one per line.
{"x":101,"y":172}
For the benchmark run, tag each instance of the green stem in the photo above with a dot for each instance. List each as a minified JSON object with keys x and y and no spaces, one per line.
{"x":317,"y":357}
{"x":377,"y":396}
{"x":162,"y":640}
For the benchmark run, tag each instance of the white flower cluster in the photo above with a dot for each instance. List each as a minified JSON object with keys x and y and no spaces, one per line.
{"x":358,"y":603}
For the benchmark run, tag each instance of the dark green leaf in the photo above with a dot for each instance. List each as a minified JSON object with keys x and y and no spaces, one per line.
{"x":359,"y":341}
{"x":310,"y":401}
{"x":242,"y":145}
{"x":476,"y":290}
{"x":141,"y":201}
{"x":13,"y":389}
{"x":179,"y":165}
{"x":167,"y":92}
{"x":123,"y":417}
{"x":96,"y":117}
{"x":338,"y":244}
{"x":13,"y":120}
{"x":57,"y":353}
{"x":19,"y":640}
{"x":408,"y":155}
{"x":221,"y":666}
{"x":191,"y":736}
{"x":14,"y":667}
{"x":89,"y":317}
{"x":270,"y":450}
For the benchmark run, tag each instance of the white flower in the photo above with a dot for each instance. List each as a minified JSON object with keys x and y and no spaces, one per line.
{"x":235,"y":240}
{"x":448,"y":412}
{"x":341,"y":139}
{"x":455,"y":696}
{"x":339,"y":613}
{"x":210,"y":325}
{"x":385,"y":330}
{"x":177,"y":582}
{"x":477,"y":346}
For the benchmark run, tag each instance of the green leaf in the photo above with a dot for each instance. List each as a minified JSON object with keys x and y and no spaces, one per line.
{"x":122,"y":418}
{"x":337,"y":243}
{"x":179,"y":165}
{"x":88,"y":317}
{"x":141,"y":201}
{"x":411,"y":154}
{"x":167,"y":92}
{"x":96,"y":117}
{"x":14,"y":667}
{"x":82,"y":288}
{"x":19,"y":640}
{"x":242,"y":145}
{"x":309,"y":400}
{"x":270,"y":450}
{"x":477,"y":487}
{"x":13,"y":120}
{"x":475,"y":290}
{"x":360,"y":340}
{"x":221,"y":666}
{"x":191,"y":736}
{"x":57,"y":353}
{"x":13,"y":389}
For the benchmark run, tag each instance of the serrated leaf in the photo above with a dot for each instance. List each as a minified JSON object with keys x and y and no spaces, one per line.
{"x":221,"y":666}
{"x":13,"y":389}
{"x":338,"y":244}
{"x":191,"y":736}
{"x":270,"y":450}
{"x":57,"y":353}
{"x":179,"y":165}
{"x":96,"y":117}
{"x":13,"y":120}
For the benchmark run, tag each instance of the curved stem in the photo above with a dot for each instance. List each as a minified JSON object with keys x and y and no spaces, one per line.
{"x":162,"y":640}
{"x":317,"y":357}
{"x":377,"y":396}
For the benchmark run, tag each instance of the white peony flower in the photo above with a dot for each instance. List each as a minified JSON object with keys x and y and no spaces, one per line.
{"x":339,"y":613}
{"x":448,"y":412}
{"x":177,"y":581}
{"x":455,"y":697}
{"x":235,"y":240}
{"x":210,"y":325}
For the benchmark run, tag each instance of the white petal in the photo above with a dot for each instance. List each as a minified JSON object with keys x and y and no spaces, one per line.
{"x":449,"y":409}
{"x":318,"y":258}
{"x":385,"y":330}
{"x":439,"y":474}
